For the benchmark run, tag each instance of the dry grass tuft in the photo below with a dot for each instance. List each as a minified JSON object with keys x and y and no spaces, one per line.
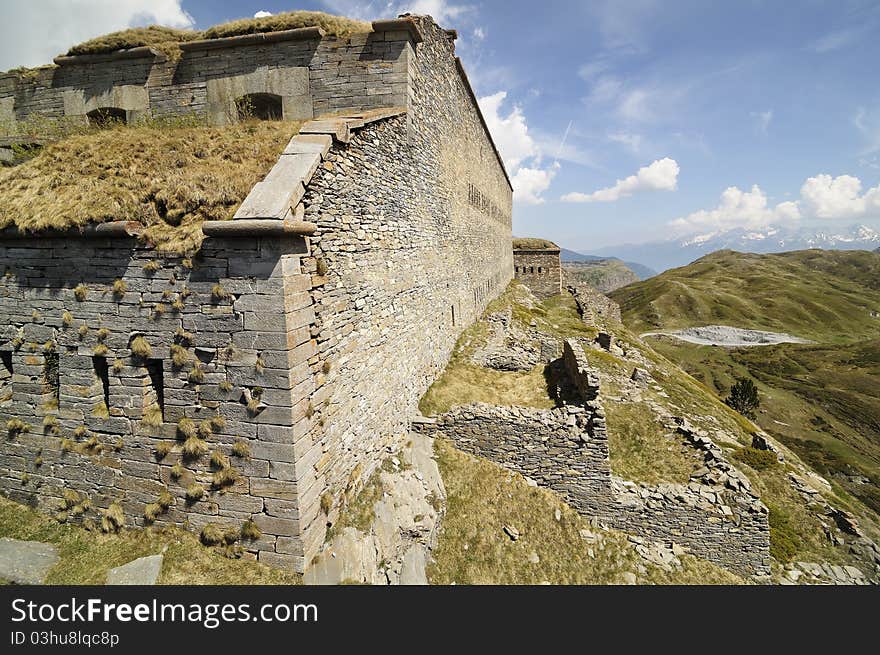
{"x":140,"y":347}
{"x":194,"y":448}
{"x":533,"y":244}
{"x":112,"y":518}
{"x":154,"y":35}
{"x":332,"y":25}
{"x":170,"y":179}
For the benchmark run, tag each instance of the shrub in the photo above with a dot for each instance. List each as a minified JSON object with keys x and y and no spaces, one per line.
{"x":151,"y":512}
{"x":118,"y":365}
{"x":326,"y":502}
{"x":112,"y":518}
{"x":165,"y":499}
{"x":186,"y":428}
{"x":219,"y":293}
{"x":163,"y":448}
{"x":211,"y":534}
{"x":102,"y":335}
{"x":760,"y":460}
{"x":181,"y":336}
{"x":744,"y":397}
{"x":80,"y":432}
{"x":80,"y":292}
{"x":241,"y":449}
{"x":217,"y":423}
{"x":119,"y":287}
{"x":177,"y":471}
{"x":194,"y":492}
{"x":226,"y":386}
{"x":321,"y":266}
{"x":152,"y":266}
{"x":197,"y":374}
{"x":16,"y":426}
{"x":194,"y":448}
{"x":250,"y":531}
{"x":179,"y":356}
{"x":219,"y":460}
{"x":67,"y":319}
{"x":83,"y":331}
{"x":153,"y":416}
{"x":224,"y":477}
{"x":100,"y":350}
{"x":140,"y":347}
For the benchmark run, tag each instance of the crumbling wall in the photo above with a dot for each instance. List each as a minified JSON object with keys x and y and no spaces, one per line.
{"x":540,"y":271}
{"x":716,"y":516}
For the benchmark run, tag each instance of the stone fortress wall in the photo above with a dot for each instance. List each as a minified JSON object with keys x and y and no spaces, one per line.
{"x":307,"y":328}
{"x":566,"y":449}
{"x":307,"y":73}
{"x":540,"y":270}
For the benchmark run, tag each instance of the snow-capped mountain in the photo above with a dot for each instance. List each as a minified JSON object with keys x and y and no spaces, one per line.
{"x":662,"y":255}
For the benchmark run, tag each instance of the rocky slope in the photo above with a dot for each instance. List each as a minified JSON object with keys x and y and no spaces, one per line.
{"x":606,"y":275}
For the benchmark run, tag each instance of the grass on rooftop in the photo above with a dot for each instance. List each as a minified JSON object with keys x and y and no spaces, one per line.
{"x":525,"y":243}
{"x":166,"y":39}
{"x":168,"y":178}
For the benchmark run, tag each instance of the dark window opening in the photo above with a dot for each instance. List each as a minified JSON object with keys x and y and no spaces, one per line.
{"x":102,"y":372}
{"x":157,"y":379}
{"x":453,"y":316}
{"x":106,"y":116}
{"x":52,"y":374}
{"x":531,"y":269}
{"x":6,"y":360}
{"x":540,"y":270}
{"x":262,"y":106}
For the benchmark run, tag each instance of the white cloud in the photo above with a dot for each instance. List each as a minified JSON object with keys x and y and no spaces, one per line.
{"x":745,"y":209}
{"x":47,"y":28}
{"x":762,"y":119}
{"x":442,"y":11}
{"x":479,"y":34}
{"x":530,"y":183}
{"x":510,"y":132}
{"x":262,"y":14}
{"x":521,"y":151}
{"x":660,"y":175}
{"x":839,"y":197}
{"x":821,"y":197}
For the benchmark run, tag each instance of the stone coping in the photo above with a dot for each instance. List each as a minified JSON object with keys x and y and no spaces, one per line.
{"x":538,"y":251}
{"x":257,"y":227}
{"x":114,"y":229}
{"x":277,"y":197}
{"x":467,"y":85}
{"x":298,"y":34}
{"x":399,"y":25}
{"x":140,"y":52}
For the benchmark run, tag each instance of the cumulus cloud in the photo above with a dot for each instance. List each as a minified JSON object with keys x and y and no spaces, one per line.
{"x":839,"y":197}
{"x":821,"y":197}
{"x":660,"y":175}
{"x":745,"y":209}
{"x":49,"y":27}
{"x":521,"y":151}
{"x":262,"y":14}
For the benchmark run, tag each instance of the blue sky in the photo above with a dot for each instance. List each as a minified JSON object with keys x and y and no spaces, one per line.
{"x":679,"y":117}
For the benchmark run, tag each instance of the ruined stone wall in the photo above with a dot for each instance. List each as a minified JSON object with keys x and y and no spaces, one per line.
{"x":404,"y":261}
{"x":83,"y":409}
{"x":311,"y":75}
{"x":540,"y":271}
{"x":566,"y":449}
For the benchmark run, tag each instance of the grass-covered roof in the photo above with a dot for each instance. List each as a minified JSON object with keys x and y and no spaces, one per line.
{"x":533,"y":244}
{"x":159,"y":36}
{"x":169,"y":178}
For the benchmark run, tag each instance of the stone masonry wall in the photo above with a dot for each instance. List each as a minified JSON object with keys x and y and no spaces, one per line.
{"x":311,"y":75}
{"x":404,"y":261}
{"x":105,"y":422}
{"x":566,"y":449}
{"x":540,"y":271}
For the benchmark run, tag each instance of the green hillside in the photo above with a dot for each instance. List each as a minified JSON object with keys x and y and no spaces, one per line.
{"x":823,"y":399}
{"x":606,"y":275}
{"x":827,"y":296}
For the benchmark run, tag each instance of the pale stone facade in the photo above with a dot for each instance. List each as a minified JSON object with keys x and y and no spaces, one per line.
{"x":540,"y":270}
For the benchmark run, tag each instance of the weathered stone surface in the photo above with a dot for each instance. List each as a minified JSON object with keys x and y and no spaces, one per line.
{"x":142,"y":571}
{"x":539,"y":270}
{"x":26,"y":562}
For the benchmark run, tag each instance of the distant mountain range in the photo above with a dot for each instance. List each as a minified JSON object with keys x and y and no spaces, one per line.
{"x":643,"y":272}
{"x":663,"y":255}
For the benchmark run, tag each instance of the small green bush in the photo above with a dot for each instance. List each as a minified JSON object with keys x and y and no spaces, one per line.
{"x":784,"y":542}
{"x":760,"y":460}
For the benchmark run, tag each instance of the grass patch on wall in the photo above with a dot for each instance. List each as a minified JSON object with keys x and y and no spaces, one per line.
{"x":87,"y":556}
{"x":473,"y":549}
{"x":170,"y":179}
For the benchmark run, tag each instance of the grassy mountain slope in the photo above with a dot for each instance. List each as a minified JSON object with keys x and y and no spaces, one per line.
{"x":606,"y":275}
{"x":822,"y":400}
{"x":827,"y":296}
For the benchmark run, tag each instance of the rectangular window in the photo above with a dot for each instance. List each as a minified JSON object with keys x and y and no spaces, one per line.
{"x":157,"y":379}
{"x":5,"y":376}
{"x":102,"y":372}
{"x":52,"y":375}
{"x":453,"y":316}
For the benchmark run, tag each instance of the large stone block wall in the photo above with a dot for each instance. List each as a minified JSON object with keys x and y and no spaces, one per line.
{"x":312,"y":75}
{"x":566,"y":449}
{"x":540,"y":271}
{"x":404,"y":261}
{"x":60,"y":303}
